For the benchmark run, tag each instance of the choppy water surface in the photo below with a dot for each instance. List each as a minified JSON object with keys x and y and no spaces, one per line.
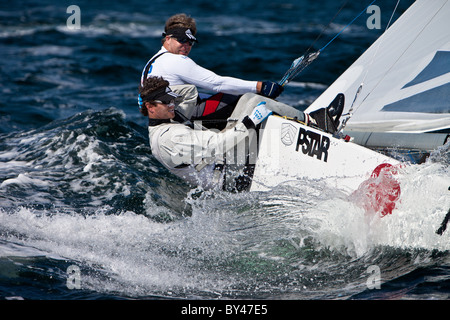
{"x":80,"y":190}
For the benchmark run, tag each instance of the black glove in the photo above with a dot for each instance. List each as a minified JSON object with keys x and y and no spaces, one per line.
{"x":271,"y":89}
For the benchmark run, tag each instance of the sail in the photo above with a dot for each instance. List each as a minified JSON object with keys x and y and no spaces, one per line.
{"x":405,"y":78}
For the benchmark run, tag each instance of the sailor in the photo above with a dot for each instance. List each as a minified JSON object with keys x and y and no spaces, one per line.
{"x":205,"y":157}
{"x":194,"y":154}
{"x":185,"y":76}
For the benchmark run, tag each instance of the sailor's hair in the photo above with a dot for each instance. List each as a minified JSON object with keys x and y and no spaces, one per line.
{"x":180,"y":20}
{"x":151,"y":84}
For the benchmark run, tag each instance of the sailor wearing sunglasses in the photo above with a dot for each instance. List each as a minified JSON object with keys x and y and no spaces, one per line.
{"x":193,"y":153}
{"x":186,"y":77}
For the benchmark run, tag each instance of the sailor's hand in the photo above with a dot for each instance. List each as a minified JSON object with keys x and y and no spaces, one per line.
{"x":271,"y":89}
{"x":260,"y":113}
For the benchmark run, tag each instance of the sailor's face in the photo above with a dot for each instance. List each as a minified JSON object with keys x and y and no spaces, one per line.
{"x":161,"y":110}
{"x":173,"y":46}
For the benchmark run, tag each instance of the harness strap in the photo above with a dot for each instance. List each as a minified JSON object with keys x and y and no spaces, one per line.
{"x":148,"y":66}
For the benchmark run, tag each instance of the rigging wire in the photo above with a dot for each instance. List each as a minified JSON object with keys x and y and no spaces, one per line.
{"x":350,"y":112}
{"x":327,"y":26}
{"x":343,"y":29}
{"x":299,"y":64}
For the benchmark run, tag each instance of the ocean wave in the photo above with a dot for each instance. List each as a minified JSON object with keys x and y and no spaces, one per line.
{"x":80,"y":187}
{"x":80,"y":161}
{"x":87,"y":189}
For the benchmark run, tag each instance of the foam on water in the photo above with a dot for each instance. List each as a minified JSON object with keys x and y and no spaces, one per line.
{"x":423,"y":204}
{"x":128,"y":248}
{"x":80,"y":186}
{"x":134,"y":229}
{"x":295,"y":239}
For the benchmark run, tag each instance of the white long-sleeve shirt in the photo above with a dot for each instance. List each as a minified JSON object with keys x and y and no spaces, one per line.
{"x":180,"y":70}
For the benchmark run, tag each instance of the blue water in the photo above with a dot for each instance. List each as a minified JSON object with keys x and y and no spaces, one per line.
{"x":80,"y":189}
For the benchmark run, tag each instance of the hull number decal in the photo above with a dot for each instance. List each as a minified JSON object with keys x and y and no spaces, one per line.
{"x":313,"y":144}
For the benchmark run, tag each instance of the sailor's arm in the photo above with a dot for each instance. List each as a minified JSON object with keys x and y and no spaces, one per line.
{"x":192,"y":73}
{"x":186,"y":146}
{"x":206,"y":79}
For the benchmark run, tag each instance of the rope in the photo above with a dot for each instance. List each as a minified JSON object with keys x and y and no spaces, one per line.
{"x":351,"y":22}
{"x":327,"y":26}
{"x":350,"y":112}
{"x":302,"y":62}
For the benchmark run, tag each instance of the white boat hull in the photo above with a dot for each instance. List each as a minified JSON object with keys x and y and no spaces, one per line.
{"x":290,"y":151}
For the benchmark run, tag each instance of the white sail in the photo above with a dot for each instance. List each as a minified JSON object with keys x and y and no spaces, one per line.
{"x":405,"y":77}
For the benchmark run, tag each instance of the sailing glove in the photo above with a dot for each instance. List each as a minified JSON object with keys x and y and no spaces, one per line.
{"x":259,"y":113}
{"x":271,"y":89}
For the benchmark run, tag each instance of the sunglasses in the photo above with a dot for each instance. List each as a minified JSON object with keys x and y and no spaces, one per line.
{"x":185,"y":40}
{"x":171,"y":102}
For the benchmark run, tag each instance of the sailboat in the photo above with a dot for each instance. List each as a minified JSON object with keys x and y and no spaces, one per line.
{"x":397,"y":94}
